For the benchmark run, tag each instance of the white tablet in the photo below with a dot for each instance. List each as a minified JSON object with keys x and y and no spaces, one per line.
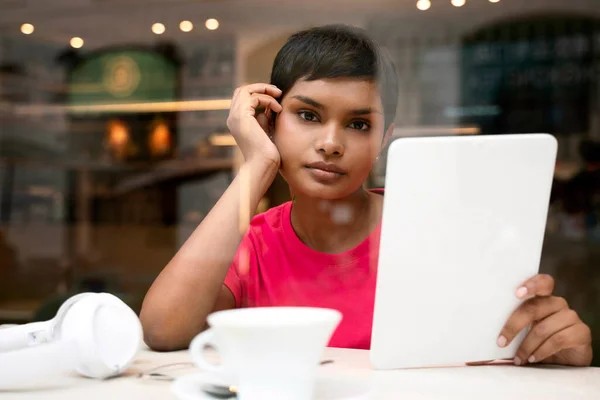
{"x":463,"y":226}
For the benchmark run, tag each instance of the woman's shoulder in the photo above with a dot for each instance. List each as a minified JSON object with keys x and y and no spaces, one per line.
{"x":271,"y":219}
{"x":266,"y":228}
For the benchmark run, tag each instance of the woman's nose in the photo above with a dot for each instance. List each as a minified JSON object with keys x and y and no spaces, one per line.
{"x":331,"y":143}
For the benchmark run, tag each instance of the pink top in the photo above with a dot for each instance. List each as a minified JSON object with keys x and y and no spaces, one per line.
{"x":273,"y":267}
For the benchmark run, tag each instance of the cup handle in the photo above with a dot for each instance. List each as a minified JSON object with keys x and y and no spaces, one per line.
{"x":197,"y":351}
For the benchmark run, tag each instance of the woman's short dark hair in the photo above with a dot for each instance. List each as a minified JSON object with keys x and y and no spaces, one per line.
{"x":337,"y":51}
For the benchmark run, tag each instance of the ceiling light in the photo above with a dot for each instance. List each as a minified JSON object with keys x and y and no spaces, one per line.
{"x":158,"y":28}
{"x":423,"y":5}
{"x":27,"y":29}
{"x":494,"y":1}
{"x":76,"y":42}
{"x":186,"y":26}
{"x":458,"y":3}
{"x":211,"y":24}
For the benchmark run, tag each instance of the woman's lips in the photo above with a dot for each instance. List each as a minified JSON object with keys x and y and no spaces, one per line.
{"x":325,"y":172}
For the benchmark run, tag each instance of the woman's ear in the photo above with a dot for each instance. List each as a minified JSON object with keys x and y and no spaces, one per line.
{"x":264,"y":123}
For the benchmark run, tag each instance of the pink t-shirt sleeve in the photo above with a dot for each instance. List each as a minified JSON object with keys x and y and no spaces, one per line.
{"x":243,"y":261}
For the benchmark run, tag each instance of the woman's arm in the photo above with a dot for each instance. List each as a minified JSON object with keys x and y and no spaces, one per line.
{"x":191,"y":285}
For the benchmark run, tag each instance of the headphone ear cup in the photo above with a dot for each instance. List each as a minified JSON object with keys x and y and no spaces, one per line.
{"x":107,"y":332}
{"x":97,"y":335}
{"x":63,"y":310}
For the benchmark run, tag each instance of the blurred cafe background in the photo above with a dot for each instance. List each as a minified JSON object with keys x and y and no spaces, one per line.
{"x":114,"y":146}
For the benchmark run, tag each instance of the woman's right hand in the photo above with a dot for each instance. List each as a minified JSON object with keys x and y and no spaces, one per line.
{"x":251,"y":131}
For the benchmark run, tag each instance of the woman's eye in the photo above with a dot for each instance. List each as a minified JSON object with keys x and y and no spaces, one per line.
{"x":359,"y":125}
{"x":307,"y":116}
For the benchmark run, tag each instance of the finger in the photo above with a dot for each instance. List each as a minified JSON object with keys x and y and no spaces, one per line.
{"x":530,"y":311}
{"x":539,"y":285}
{"x":573,"y":336}
{"x":264,"y":88}
{"x":263,"y":100}
{"x":542,"y":331}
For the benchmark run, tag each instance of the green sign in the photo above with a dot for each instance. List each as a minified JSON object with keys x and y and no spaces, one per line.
{"x":128,"y":76}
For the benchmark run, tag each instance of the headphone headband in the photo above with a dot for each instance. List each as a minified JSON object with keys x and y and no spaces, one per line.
{"x":96,"y":334}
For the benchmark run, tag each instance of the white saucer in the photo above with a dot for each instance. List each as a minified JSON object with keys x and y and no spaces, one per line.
{"x":189,"y":387}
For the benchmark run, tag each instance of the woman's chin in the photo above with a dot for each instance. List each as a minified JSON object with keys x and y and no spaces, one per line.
{"x":303,"y":183}
{"x":323,"y":192}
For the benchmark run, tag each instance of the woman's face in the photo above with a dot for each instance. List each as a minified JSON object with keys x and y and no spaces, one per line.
{"x":329,"y":134}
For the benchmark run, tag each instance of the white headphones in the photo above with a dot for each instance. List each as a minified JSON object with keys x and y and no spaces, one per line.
{"x":95,"y":334}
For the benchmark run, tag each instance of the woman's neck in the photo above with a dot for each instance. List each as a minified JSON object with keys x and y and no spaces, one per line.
{"x":335,"y":226}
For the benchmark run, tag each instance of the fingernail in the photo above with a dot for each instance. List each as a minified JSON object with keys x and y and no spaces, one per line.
{"x":502,"y":341}
{"x":517,"y":361}
{"x":521,"y":292}
{"x":531,"y":359}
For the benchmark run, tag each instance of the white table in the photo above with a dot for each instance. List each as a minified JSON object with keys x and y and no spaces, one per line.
{"x":486,"y":382}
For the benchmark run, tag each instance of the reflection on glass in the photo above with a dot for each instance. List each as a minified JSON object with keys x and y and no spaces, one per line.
{"x":114,"y":146}
{"x":118,"y":138}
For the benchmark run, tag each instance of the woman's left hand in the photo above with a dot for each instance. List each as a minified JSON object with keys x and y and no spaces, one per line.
{"x":557,"y":334}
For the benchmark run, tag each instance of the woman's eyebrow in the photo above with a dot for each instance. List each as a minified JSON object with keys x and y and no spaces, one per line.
{"x":365,"y":111}
{"x":309,"y":101}
{"x":316,"y":104}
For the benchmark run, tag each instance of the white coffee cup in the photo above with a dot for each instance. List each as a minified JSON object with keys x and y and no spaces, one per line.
{"x":271,"y":353}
